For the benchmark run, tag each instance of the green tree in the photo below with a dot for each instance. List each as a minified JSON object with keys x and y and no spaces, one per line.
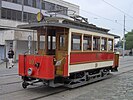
{"x":129,"y":40}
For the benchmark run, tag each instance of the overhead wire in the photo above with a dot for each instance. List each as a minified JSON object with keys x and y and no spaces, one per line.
{"x":114,"y":21}
{"x":118,"y":9}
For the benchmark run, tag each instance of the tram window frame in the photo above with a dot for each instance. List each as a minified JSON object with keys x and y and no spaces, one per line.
{"x":79,"y":37}
{"x":103,"y":44}
{"x":88,"y":45}
{"x":110,"y":44}
{"x":96,"y":43}
{"x":41,"y":39}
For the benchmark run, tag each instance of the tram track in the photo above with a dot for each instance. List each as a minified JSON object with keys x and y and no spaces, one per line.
{"x":10,"y":83}
{"x":50,"y":94}
{"x":6,"y":75}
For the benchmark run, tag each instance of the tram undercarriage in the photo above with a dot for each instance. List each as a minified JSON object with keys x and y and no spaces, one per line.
{"x":74,"y":80}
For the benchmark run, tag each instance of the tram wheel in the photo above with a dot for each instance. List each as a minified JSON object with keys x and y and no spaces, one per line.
{"x":24,"y":85}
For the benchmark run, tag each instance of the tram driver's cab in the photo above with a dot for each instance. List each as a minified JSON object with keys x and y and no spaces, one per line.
{"x":53,"y":41}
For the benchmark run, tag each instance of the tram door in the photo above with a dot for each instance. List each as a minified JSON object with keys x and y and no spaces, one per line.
{"x":61,"y":52}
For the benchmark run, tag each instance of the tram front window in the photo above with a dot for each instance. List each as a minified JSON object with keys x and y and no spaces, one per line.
{"x":41,"y":42}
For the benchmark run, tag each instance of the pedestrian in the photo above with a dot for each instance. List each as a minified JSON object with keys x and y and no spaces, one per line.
{"x":10,"y":57}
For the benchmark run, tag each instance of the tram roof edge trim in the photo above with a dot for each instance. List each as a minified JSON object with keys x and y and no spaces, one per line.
{"x":115,"y":36}
{"x":34,"y":26}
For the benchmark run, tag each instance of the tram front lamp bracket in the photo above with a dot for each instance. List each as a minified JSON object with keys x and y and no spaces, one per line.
{"x":37,"y":65}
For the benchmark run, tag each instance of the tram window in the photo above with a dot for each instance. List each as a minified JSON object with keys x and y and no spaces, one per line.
{"x":96,"y":43}
{"x":49,"y":42}
{"x":110,"y":44}
{"x":76,"y":42}
{"x":104,"y":44}
{"x":62,"y":41}
{"x":42,"y":42}
{"x":87,"y":42}
{"x":54,"y":43}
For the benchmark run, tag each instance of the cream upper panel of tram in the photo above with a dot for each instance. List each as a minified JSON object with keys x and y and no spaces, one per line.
{"x":91,"y":33}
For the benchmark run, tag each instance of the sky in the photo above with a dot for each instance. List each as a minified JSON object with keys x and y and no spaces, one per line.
{"x":104,"y":15}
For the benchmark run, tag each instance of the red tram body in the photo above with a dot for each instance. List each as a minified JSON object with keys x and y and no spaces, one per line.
{"x":64,"y":58}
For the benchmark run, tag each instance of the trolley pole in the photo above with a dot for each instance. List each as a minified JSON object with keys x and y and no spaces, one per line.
{"x":40,"y":5}
{"x":123,"y":53}
{"x":22,"y":11}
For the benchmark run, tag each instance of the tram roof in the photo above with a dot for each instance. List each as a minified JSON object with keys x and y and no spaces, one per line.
{"x":66,"y":23}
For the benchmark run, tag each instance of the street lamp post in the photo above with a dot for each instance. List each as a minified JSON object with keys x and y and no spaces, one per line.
{"x":123,"y":53}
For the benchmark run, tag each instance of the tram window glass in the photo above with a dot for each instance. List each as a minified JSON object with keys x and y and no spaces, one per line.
{"x":87,"y":42}
{"x":54,"y":43}
{"x":62,"y":42}
{"x":76,"y":42}
{"x":42,"y":42}
{"x":104,"y":44}
{"x":96,"y":43}
{"x":110,"y":44}
{"x":49,"y":42}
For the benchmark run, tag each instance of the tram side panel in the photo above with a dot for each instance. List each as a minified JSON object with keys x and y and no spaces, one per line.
{"x":90,"y":60}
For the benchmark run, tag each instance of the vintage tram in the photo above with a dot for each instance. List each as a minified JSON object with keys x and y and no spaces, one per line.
{"x":70,"y":52}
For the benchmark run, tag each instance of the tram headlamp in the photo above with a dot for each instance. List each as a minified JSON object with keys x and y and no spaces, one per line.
{"x":30,"y":71}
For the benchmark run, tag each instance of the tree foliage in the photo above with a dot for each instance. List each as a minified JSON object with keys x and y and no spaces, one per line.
{"x":129,"y":40}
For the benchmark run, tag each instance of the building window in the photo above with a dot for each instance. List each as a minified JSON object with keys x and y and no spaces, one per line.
{"x":34,"y":3}
{"x":76,"y":42}
{"x":14,"y":15}
{"x":49,"y":6}
{"x":8,"y":14}
{"x":43,"y":5}
{"x":110,"y":44}
{"x":96,"y":43}
{"x":19,"y":15}
{"x":3,"y":13}
{"x":19,"y":1}
{"x":104,"y":44}
{"x":87,"y":42}
{"x":7,"y":0}
{"x":38,"y":4}
{"x":61,"y":9}
{"x":29,"y":17}
{"x":25,"y":16}
{"x":14,"y":1}
{"x":28,"y":2}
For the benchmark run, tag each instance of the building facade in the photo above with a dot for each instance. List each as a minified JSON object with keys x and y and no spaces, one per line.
{"x":16,"y":12}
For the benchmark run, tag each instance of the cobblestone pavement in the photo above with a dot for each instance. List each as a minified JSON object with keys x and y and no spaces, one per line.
{"x":119,"y":87}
